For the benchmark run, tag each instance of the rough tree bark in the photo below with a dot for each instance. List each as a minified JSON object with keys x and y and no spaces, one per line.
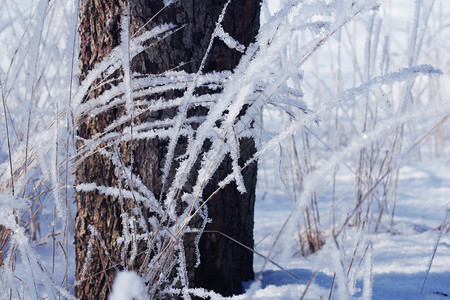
{"x":224,"y":264}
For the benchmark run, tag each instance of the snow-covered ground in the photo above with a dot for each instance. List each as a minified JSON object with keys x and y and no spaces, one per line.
{"x":401,"y":253}
{"x":408,"y":257}
{"x":403,"y":249}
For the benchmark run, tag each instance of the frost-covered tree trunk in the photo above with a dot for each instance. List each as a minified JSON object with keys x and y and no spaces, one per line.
{"x":224,"y":263}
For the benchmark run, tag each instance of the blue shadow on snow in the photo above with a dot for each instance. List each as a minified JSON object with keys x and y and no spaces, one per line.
{"x":385,"y":286}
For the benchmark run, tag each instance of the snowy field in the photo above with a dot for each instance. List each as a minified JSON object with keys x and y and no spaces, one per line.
{"x":409,"y":254}
{"x":355,"y":157}
{"x":401,"y":253}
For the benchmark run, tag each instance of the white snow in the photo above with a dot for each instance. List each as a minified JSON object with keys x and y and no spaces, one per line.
{"x":349,"y":103}
{"x":400,"y":253}
{"x":128,"y":286}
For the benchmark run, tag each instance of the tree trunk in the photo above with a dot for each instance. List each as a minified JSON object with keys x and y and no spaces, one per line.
{"x":224,"y":263}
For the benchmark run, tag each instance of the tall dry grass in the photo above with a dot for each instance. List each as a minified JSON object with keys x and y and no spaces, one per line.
{"x":354,"y":110}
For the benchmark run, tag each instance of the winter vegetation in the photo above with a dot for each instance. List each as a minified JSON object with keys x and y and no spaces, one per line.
{"x":347,"y":100}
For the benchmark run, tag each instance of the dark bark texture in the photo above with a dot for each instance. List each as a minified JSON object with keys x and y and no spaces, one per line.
{"x":224,"y":263}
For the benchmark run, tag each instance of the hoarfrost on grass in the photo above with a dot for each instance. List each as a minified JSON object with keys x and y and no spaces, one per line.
{"x":270,"y":79}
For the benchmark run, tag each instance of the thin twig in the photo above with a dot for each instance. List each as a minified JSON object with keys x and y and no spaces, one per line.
{"x":443,"y":228}
{"x":308,"y":284}
{"x":332,"y":285}
{"x":254,"y":251}
{"x":7,"y":137}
